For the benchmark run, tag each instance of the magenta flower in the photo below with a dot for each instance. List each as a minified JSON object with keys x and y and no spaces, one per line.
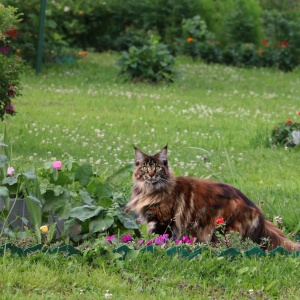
{"x":126,"y":238}
{"x":10,"y":171}
{"x":141,"y":242}
{"x":162,"y":239}
{"x":110,"y":238}
{"x":149,"y":243}
{"x":4,"y":49}
{"x":57,"y":165}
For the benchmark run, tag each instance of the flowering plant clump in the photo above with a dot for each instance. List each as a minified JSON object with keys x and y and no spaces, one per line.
{"x":286,"y":134}
{"x":73,"y":193}
{"x":11,"y":64}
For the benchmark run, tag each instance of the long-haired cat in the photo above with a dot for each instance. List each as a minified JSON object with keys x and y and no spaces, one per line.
{"x":191,"y":206}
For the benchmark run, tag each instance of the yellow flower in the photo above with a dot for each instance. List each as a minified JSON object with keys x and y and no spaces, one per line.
{"x":44,"y":229}
{"x":18,"y":50}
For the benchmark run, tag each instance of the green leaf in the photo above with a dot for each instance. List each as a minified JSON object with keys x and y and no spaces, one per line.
{"x":72,"y":227}
{"x":85,"y":212}
{"x":4,"y":194}
{"x":10,"y":180}
{"x":85,"y":196}
{"x":30,"y":175}
{"x":103,"y":190}
{"x":34,"y":200}
{"x":60,"y":205}
{"x":3,"y":160}
{"x":58,"y":190}
{"x":100,"y":224}
{"x":126,"y":220}
{"x":105,"y":202}
{"x":83,"y":174}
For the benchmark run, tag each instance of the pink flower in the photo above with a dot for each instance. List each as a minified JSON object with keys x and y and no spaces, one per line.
{"x":220,"y":221}
{"x":10,"y":171}
{"x":57,"y":165}
{"x":126,"y":238}
{"x":110,"y":238}
{"x":149,"y":243}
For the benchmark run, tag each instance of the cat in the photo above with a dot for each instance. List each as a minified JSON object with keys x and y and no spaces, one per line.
{"x":190,"y":206}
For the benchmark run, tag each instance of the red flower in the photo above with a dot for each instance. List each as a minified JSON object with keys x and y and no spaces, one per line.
{"x":298,"y":113}
{"x":190,"y":39}
{"x":220,"y":221}
{"x":14,"y":33}
{"x":265,"y":43}
{"x":284,"y":44}
{"x":288,"y":121}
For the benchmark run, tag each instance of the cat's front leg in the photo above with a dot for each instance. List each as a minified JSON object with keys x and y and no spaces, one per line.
{"x":151,"y":227}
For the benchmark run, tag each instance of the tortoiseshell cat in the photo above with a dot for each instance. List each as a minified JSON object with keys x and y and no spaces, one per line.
{"x":190,"y":206}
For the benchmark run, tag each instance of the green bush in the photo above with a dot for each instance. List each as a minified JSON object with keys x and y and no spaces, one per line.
{"x":243,"y":23}
{"x":11,"y":64}
{"x":152,"y":62}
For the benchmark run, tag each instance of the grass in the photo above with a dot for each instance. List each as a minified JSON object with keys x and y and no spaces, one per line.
{"x":216,"y":121}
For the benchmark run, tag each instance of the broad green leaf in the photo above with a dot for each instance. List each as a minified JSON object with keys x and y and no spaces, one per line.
{"x":100,"y":224}
{"x":126,"y":220}
{"x":83,"y":174}
{"x":30,"y":175}
{"x":72,"y":227}
{"x":85,"y":212}
{"x":103,"y":190}
{"x":105,"y":202}
{"x":85,"y":196}
{"x":3,"y":160}
{"x":60,"y":205}
{"x":10,"y":180}
{"x":34,"y":200}
{"x":58,"y":190}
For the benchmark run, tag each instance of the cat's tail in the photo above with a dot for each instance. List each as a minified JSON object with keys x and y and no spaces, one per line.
{"x":277,"y":238}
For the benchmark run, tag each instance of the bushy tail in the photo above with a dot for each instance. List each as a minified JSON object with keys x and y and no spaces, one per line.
{"x":277,"y":238}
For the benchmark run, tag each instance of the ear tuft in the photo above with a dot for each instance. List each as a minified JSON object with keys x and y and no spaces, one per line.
{"x":163,"y":154}
{"x":139,"y":155}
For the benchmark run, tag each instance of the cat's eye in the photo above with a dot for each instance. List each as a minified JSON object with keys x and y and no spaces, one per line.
{"x":145,"y":168}
{"x":157,"y":168}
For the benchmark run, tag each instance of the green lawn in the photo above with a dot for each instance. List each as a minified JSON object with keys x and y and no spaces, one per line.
{"x":216,"y":121}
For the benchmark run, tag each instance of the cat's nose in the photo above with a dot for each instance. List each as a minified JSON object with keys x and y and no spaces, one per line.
{"x":151,"y":174}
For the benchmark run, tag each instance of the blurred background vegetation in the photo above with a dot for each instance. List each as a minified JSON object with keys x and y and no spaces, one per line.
{"x":236,"y":32}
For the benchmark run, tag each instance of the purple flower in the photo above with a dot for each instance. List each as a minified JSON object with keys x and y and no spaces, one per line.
{"x":162,"y":239}
{"x":126,"y":238}
{"x":141,"y":242}
{"x":4,"y":49}
{"x":110,"y":238}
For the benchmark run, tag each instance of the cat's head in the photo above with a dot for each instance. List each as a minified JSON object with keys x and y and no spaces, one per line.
{"x":152,"y":170}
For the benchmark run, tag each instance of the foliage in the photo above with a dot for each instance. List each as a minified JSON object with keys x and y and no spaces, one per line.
{"x":10,"y":65}
{"x":150,"y":63}
{"x":73,"y":193}
{"x":286,"y":134}
{"x":243,"y":23}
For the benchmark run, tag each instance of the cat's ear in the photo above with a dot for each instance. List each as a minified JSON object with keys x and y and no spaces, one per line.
{"x":163,"y":155}
{"x":139,"y":155}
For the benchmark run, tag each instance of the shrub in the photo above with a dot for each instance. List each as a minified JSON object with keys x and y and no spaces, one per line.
{"x":150,"y":63}
{"x":10,"y":64}
{"x":286,"y":134}
{"x":243,"y":23}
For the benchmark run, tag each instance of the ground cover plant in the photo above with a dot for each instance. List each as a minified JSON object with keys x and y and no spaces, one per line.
{"x":217,"y":122}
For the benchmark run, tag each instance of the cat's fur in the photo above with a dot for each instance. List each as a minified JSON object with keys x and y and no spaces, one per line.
{"x":191,"y":206}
